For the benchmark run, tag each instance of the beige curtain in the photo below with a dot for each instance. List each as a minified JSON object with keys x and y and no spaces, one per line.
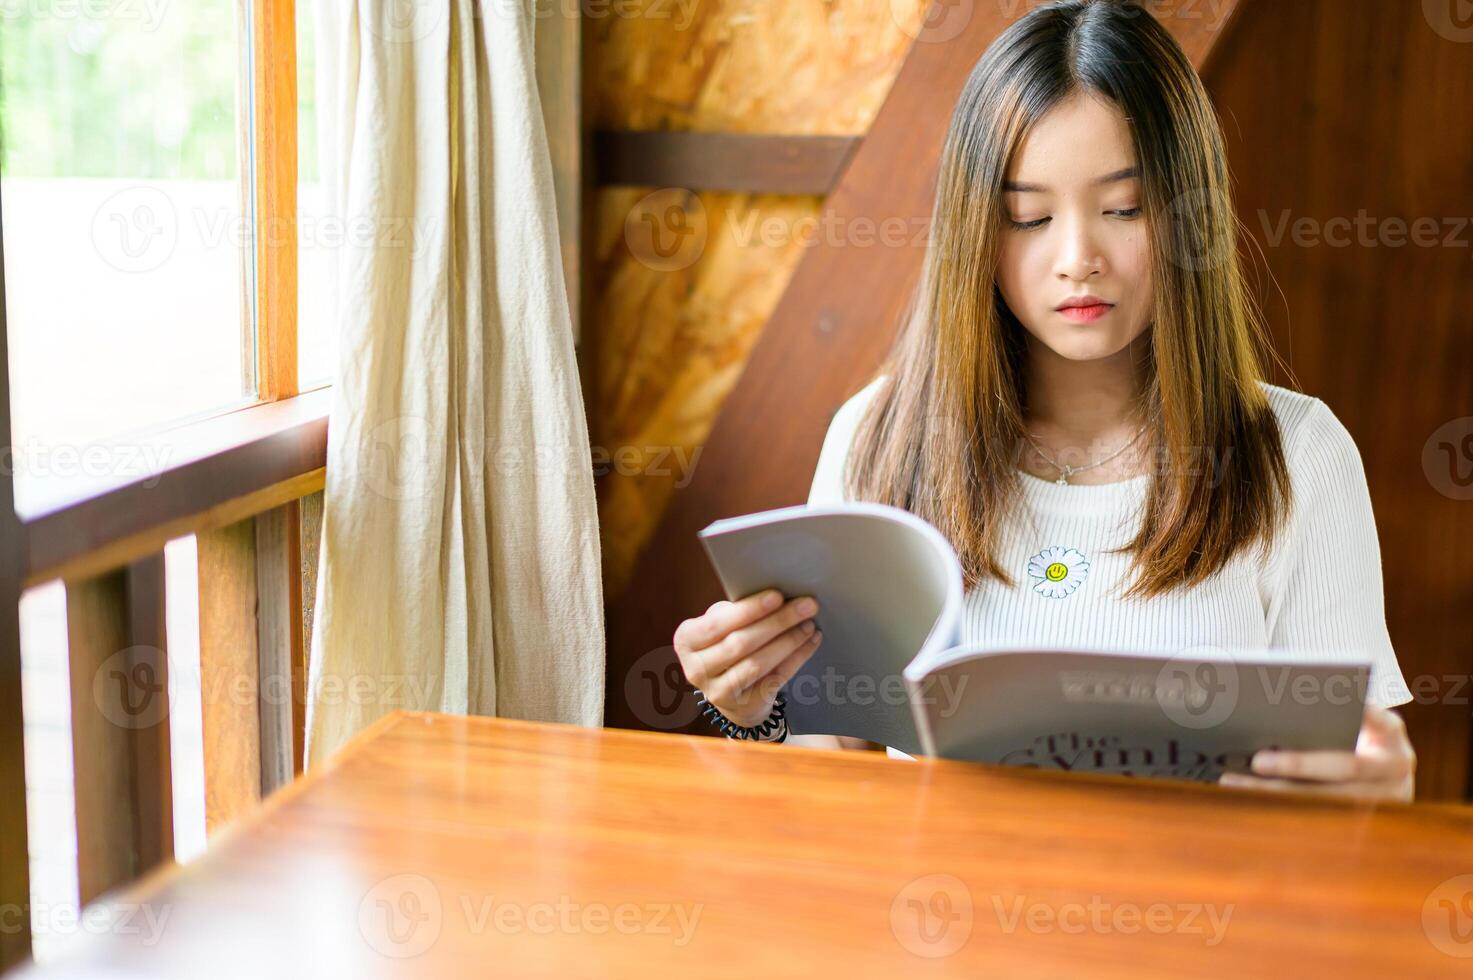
{"x":460,"y":551}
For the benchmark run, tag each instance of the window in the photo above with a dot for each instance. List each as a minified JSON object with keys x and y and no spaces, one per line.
{"x":124,"y":224}
{"x":142,"y":148}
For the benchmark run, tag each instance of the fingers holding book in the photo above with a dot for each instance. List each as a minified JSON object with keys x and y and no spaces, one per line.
{"x":739,"y":654}
{"x":1383,"y":765}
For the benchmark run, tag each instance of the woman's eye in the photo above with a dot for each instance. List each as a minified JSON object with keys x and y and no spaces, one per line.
{"x":1030,"y":225}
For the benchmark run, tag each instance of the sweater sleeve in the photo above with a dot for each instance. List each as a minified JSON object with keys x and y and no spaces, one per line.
{"x":1330,"y":594}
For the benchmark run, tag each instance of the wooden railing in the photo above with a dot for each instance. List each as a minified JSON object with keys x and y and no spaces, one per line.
{"x":247,"y":486}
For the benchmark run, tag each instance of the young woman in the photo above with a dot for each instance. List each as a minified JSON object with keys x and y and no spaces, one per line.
{"x":1076,"y":402}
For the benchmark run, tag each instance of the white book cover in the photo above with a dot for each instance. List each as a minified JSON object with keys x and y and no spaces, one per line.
{"x":892,"y":668}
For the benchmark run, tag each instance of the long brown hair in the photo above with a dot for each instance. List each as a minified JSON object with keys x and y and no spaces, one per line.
{"x":941,"y":435}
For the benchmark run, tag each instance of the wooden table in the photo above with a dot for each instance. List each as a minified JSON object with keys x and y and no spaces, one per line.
{"x":437,"y":846}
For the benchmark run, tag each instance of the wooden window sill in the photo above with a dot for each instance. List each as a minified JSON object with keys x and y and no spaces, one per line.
{"x":208,"y":474}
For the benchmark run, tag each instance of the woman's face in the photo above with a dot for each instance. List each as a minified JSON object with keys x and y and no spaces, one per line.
{"x":1072,"y":228}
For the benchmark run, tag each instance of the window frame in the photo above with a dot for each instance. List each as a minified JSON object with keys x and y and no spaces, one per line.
{"x":237,"y":461}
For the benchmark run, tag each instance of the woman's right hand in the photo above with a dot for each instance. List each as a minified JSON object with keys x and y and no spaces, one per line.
{"x":740,"y":654}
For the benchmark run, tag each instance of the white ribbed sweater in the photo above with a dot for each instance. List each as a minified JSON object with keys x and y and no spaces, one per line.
{"x":1320,"y":590}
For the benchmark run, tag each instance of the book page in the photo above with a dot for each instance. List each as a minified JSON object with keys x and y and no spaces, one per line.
{"x":1181,"y":716}
{"x":889,"y":587}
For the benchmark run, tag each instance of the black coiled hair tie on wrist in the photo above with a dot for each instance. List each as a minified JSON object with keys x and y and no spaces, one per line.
{"x":755,"y":733}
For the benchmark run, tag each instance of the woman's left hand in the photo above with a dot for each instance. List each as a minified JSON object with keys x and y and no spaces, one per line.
{"x":1380,"y":768}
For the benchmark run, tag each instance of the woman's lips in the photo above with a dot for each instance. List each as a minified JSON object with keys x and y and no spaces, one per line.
{"x":1085,"y":314}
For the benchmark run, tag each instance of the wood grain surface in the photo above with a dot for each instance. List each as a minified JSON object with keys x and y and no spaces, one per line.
{"x":436,"y":846}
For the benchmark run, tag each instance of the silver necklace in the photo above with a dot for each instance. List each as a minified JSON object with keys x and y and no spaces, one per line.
{"x":1066,"y":471}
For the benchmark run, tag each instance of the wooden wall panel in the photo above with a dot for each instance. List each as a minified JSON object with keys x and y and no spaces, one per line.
{"x":670,"y":341}
{"x":1343,"y":113}
{"x":670,"y":346}
{"x":748,"y":66}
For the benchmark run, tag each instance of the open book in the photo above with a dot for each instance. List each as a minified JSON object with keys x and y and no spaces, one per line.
{"x":892,"y":668}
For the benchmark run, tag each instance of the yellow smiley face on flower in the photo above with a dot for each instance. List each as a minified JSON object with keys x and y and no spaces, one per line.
{"x":1058,"y":571}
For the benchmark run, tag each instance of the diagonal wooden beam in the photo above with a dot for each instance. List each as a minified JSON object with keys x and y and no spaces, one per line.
{"x":825,"y":339}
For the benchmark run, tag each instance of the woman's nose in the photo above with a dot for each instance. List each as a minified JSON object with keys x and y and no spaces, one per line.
{"x":1079,"y":253}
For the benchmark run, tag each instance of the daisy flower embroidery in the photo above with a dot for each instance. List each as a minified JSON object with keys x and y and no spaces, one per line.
{"x":1059,"y":571}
